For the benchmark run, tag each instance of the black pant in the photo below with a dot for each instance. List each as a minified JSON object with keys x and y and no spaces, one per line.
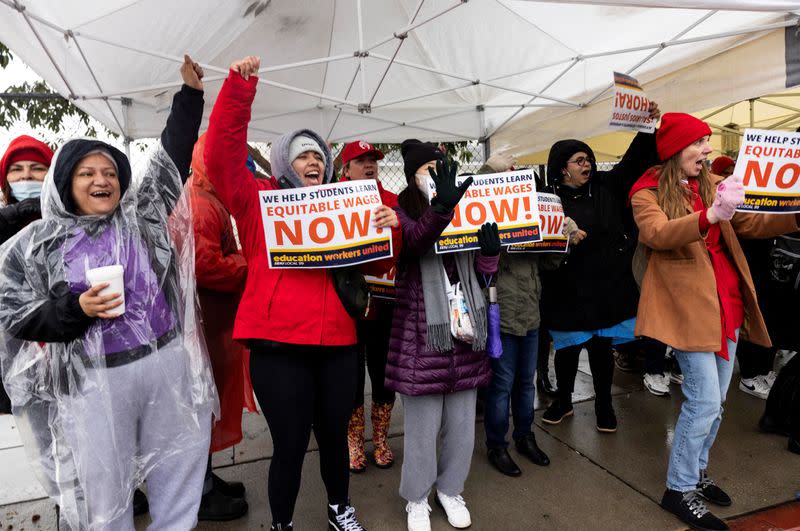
{"x":754,"y":360}
{"x":373,"y":348}
{"x":5,"y":402}
{"x":601,"y":362}
{"x":300,"y":387}
{"x":543,"y":359}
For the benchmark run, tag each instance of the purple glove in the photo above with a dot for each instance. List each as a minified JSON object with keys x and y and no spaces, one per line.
{"x":730,"y":195}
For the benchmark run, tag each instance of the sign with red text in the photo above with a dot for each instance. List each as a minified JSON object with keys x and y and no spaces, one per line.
{"x":382,"y":287}
{"x":323,"y":226}
{"x":631,"y":107}
{"x":508,"y":199}
{"x":769,"y":164}
{"x":551,"y":214}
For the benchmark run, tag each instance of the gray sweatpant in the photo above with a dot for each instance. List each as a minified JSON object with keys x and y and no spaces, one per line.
{"x":132,"y":417}
{"x":448,"y":420}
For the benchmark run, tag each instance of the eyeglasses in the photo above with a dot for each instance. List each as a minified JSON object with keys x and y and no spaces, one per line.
{"x":580,"y":161}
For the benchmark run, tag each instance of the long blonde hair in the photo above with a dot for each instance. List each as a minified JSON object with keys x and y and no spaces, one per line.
{"x":673,"y":194}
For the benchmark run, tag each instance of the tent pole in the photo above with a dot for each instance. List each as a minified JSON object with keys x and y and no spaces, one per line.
{"x":279,"y":114}
{"x":148,"y":88}
{"x":346,"y":95}
{"x":654,"y":53}
{"x":407,"y":124}
{"x":776,"y":104}
{"x":752,"y":113}
{"x":534,"y":69}
{"x":418,"y":66}
{"x":394,"y":55}
{"x":361,"y":52}
{"x":721,"y":109}
{"x":310,"y":62}
{"x":306,"y":92}
{"x":726,"y":129}
{"x":552,"y":82}
{"x":411,"y":27}
{"x":21,"y":8}
{"x":420,"y":96}
{"x":784,"y":121}
{"x":96,"y":81}
{"x":487,"y":149}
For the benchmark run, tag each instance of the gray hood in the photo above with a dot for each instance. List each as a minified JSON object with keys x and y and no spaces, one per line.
{"x":282,"y":166}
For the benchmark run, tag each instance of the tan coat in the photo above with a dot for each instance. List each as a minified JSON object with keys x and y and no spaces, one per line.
{"x":679,"y":305}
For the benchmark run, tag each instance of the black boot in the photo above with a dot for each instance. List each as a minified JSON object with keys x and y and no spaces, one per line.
{"x":501,"y":460}
{"x":711,"y":492}
{"x":234,"y":489}
{"x":527,"y":446}
{"x":606,"y":418}
{"x":218,"y":507}
{"x":140,"y":504}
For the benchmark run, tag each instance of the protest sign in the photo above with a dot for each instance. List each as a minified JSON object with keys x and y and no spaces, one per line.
{"x":323,"y":226}
{"x":382,"y":287}
{"x":551,"y":214}
{"x":769,"y":164}
{"x":631,"y":106}
{"x":508,"y":199}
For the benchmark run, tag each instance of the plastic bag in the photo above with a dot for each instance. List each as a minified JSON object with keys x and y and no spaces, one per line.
{"x":460,"y":324}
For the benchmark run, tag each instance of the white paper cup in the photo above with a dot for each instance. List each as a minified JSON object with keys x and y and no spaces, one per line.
{"x":115,"y":276}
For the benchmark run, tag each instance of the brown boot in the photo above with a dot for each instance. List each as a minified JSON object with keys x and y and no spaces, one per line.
{"x":381,"y":416}
{"x":355,"y":441}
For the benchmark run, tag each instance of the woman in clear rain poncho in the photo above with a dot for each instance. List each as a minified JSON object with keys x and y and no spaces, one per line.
{"x":104,"y":401}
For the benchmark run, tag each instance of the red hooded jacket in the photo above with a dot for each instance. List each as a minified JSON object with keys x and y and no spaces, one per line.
{"x":296,"y":306}
{"x":221,"y":271}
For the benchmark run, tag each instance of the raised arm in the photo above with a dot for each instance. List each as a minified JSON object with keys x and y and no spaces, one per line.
{"x":226,"y":139}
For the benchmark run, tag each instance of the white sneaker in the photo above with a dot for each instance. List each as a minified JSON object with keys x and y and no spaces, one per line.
{"x":456,"y":509}
{"x":657,"y":384}
{"x":755,"y":386}
{"x":419,"y":516}
{"x":769,"y":379}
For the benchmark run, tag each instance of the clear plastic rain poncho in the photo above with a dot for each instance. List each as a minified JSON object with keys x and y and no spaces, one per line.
{"x":99,"y":412}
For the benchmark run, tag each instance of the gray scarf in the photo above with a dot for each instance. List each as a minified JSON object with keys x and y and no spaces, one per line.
{"x":437,"y":307}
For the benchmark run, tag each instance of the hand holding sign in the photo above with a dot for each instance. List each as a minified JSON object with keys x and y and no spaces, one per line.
{"x":572,"y":231}
{"x":384,"y":217}
{"x":730,"y":195}
{"x":501,"y":162}
{"x":447,"y":193}
{"x":489,"y":239}
{"x":655,"y":112}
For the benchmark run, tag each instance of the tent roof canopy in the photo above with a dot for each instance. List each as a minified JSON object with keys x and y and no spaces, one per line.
{"x":386,"y":70}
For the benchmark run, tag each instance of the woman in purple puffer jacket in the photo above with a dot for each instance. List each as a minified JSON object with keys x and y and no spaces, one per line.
{"x":435,"y":374}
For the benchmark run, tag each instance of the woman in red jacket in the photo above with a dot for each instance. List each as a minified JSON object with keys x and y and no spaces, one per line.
{"x":359,"y":162}
{"x":301,"y":338}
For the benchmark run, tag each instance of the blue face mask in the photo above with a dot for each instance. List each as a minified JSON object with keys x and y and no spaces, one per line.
{"x":23,"y":190}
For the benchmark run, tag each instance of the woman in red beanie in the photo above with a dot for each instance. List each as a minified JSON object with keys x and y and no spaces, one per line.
{"x":22,"y":171}
{"x":696,"y":291}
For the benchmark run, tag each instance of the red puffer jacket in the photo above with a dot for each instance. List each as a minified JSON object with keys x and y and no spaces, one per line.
{"x":221,"y":271}
{"x":284,"y":305}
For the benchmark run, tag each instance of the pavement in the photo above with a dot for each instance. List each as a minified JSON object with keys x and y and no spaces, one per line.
{"x":595,"y":481}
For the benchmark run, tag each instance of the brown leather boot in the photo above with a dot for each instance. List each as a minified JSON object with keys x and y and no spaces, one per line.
{"x":355,"y":441}
{"x":381,"y":416}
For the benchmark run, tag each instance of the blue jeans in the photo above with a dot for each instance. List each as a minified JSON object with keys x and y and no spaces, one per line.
{"x":706,"y":377}
{"x":512,"y":382}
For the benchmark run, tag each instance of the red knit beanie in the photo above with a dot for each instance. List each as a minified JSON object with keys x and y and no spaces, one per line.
{"x":677,"y":131}
{"x":721,"y":164}
{"x":24,"y":147}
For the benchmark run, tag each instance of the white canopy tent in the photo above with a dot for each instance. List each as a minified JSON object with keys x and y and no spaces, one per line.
{"x":520,"y":73}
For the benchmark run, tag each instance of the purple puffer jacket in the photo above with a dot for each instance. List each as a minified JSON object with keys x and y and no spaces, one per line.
{"x":412,"y":369}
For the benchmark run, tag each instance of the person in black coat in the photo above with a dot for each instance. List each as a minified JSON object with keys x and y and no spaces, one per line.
{"x":590,"y":301}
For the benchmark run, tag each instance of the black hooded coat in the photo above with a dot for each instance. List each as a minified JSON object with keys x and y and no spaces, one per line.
{"x":594,"y":287}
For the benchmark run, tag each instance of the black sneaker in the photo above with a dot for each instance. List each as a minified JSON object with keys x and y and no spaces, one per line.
{"x":218,"y":507}
{"x":557,"y":412}
{"x":689,"y":507}
{"x":711,"y":492}
{"x":606,"y":419}
{"x":342,"y":517}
